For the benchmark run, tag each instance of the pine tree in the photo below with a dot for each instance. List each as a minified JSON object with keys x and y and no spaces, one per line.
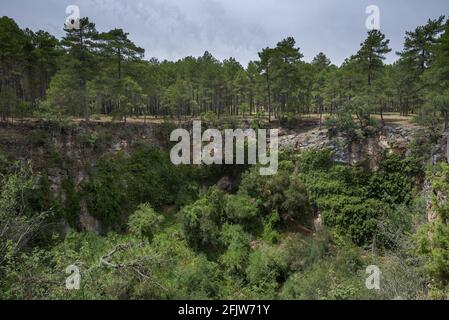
{"x":265,"y":66}
{"x":81,"y":45}
{"x":115,"y":44}
{"x":437,"y":77}
{"x":321,"y":62}
{"x":372,"y":53}
{"x":286,"y":61}
{"x":12,"y":65}
{"x":418,"y":44}
{"x":416,"y":58}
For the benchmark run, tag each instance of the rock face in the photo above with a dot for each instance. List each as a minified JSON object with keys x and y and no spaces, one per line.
{"x":87,"y":221}
{"x":386,"y":140}
{"x":440,"y":153}
{"x":427,"y":194}
{"x":318,"y":223}
{"x":71,"y":152}
{"x":225,"y":184}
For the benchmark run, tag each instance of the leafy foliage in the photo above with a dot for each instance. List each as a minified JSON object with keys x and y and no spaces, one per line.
{"x":145,"y":222}
{"x":168,"y":232}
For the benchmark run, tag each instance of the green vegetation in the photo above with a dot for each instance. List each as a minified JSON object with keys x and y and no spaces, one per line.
{"x":251,"y":244}
{"x":433,"y":238}
{"x":112,"y":79}
{"x":138,"y":227}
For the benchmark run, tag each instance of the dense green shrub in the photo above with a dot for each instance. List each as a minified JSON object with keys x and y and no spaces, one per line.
{"x":42,"y":198}
{"x":202,"y":220}
{"x":237,"y":241}
{"x":105,"y":193}
{"x":264,"y":269}
{"x":145,"y":222}
{"x":433,"y":237}
{"x":72,"y":202}
{"x":352,"y":199}
{"x":393,"y":182}
{"x":121,"y":182}
{"x":301,"y":254}
{"x":353,"y":216}
{"x":152,"y":178}
{"x":315,"y":160}
{"x":353,"y":118}
{"x":209,"y":119}
{"x":88,"y":139}
{"x":270,"y":224}
{"x":240,"y":208}
{"x":229,"y":122}
{"x":283,"y":192}
{"x":324,"y":268}
{"x":323,"y":282}
{"x":420,"y":150}
{"x":200,"y":279}
{"x":163,"y":131}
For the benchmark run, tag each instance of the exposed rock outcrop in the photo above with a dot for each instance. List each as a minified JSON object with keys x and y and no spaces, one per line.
{"x":386,"y":140}
{"x":439,"y":153}
{"x":72,"y":152}
{"x":224,"y":184}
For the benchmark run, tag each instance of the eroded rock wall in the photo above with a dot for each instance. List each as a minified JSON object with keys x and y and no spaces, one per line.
{"x":387,"y":140}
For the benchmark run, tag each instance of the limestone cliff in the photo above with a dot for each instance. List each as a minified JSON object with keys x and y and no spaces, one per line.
{"x":389,"y":139}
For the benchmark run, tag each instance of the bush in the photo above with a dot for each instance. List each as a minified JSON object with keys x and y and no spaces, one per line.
{"x":88,"y":140}
{"x":289,"y":120}
{"x":353,"y":200}
{"x":264,"y":268}
{"x":352,"y":216}
{"x":325,"y":270}
{"x":302,"y":254}
{"x":201,"y":221}
{"x":240,"y":208}
{"x":228,"y":122}
{"x":236,"y":256}
{"x":344,"y":120}
{"x":322,"y":283}
{"x":270,"y":234}
{"x":5,"y":164}
{"x":105,"y":193}
{"x":258,"y":121}
{"x":72,"y":202}
{"x":283,"y":192}
{"x":18,"y":224}
{"x":419,"y":151}
{"x":145,"y":222}
{"x":393,"y":182}
{"x":120,"y":183}
{"x":315,"y":160}
{"x":209,"y":119}
{"x":433,"y":237}
{"x":199,"y":279}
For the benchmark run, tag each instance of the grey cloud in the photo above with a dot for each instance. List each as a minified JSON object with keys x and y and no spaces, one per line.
{"x":176,"y":28}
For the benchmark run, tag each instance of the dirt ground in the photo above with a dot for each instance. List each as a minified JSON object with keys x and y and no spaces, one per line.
{"x":393,"y":119}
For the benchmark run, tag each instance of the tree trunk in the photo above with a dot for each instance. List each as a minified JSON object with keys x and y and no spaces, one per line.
{"x":269,"y":98}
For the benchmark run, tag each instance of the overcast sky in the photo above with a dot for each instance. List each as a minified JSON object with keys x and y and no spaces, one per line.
{"x":172,"y":29}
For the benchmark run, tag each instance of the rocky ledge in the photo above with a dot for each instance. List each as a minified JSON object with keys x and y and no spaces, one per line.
{"x":389,"y":139}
